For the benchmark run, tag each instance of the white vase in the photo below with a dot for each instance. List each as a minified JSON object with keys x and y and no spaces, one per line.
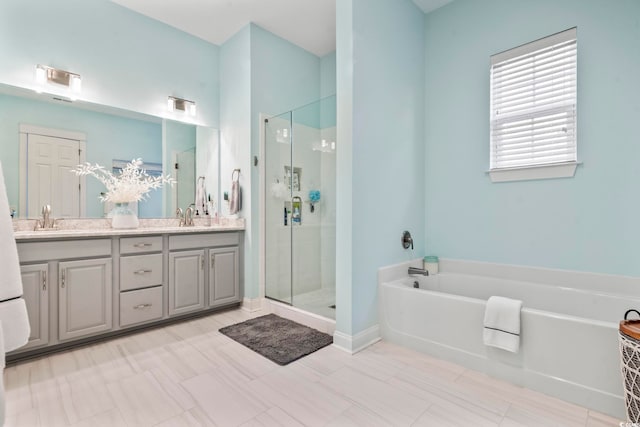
{"x":123,"y":216}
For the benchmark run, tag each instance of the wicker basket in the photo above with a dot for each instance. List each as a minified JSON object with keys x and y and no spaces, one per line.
{"x":630,"y":361}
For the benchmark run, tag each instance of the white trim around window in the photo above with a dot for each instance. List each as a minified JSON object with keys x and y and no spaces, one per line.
{"x":555,"y":170}
{"x":533,"y":109}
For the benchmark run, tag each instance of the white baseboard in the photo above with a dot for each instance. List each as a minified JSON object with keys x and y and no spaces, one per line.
{"x":322,"y":324}
{"x":252,"y":305}
{"x":358,"y":342}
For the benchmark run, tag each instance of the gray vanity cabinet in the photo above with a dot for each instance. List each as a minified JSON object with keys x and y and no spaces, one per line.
{"x":224,"y":283}
{"x":36,"y":296}
{"x":190,"y":267}
{"x":78,"y":290}
{"x":186,"y":281}
{"x":84,"y":298}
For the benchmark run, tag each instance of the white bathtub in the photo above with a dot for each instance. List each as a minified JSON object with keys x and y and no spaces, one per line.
{"x":569,"y":341}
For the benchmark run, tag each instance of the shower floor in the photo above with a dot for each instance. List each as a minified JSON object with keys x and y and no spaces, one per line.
{"x":320,"y":301}
{"x":317,"y":302}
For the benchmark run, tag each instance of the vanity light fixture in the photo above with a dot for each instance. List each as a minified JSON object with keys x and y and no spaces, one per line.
{"x":45,"y":74}
{"x":189,"y":107}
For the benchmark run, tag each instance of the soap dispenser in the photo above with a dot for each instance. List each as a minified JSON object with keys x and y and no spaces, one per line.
{"x":296,"y":211}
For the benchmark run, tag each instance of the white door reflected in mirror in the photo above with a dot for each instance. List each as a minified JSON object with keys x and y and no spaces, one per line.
{"x":49,"y":158}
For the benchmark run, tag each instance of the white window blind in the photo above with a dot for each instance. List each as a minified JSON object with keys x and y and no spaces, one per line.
{"x":533,"y":103}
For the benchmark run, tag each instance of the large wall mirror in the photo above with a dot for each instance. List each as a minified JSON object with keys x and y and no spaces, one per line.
{"x":43,"y":137}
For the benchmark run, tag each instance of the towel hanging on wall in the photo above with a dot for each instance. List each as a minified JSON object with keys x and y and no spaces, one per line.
{"x":235,"y":203}
{"x":201,"y":196}
{"x":14,"y":322}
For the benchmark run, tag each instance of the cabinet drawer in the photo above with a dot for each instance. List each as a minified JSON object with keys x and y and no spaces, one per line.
{"x":140,"y":306}
{"x":133,"y":245}
{"x":63,"y":249}
{"x":203,"y":240}
{"x":140,"y":271}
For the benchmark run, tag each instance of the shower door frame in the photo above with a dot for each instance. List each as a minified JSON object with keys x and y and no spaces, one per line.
{"x":262,"y":166}
{"x":273,"y":218}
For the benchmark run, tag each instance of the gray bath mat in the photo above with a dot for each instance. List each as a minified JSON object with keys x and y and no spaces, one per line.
{"x":279,"y":340}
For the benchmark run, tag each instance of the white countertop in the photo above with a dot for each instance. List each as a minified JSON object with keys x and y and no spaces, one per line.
{"x":81,"y":228}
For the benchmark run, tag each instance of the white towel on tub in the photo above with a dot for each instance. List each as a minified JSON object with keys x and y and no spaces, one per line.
{"x":502,"y":323}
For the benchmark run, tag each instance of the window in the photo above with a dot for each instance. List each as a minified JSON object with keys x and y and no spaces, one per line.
{"x":533,"y":109}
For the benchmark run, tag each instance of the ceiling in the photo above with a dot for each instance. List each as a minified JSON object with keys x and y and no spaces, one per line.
{"x":429,"y":5}
{"x":310,"y":24}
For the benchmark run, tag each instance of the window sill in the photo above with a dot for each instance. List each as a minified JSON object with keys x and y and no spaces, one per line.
{"x":557,"y":170}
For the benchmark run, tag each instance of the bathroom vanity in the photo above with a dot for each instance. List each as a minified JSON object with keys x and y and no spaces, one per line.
{"x":82,"y":285}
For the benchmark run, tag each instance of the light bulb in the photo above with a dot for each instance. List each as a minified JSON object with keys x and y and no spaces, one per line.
{"x":171,"y":105}
{"x":192,"y":110}
{"x":41,"y":77}
{"x":75,"y":85}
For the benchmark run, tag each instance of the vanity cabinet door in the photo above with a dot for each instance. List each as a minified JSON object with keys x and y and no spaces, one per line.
{"x":85,"y":297}
{"x":224,"y":283}
{"x":36,"y":296}
{"x":186,"y":281}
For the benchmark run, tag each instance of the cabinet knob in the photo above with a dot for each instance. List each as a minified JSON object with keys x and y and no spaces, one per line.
{"x":142,"y":245}
{"x":44,"y":280}
{"x":142,"y":271}
{"x":213,"y":261}
{"x":62,"y":281}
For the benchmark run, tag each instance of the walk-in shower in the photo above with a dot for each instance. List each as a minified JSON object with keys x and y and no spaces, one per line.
{"x":300,"y":207}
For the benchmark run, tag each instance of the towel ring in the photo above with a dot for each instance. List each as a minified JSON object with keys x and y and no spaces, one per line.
{"x":234,"y":173}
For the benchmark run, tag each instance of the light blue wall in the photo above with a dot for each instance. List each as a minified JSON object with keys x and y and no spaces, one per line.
{"x":328,"y":75}
{"x":344,"y":163}
{"x":235,"y":135}
{"x":586,"y":223}
{"x":260,"y":73}
{"x":381,"y":129}
{"x":283,"y":76}
{"x":109,"y":137}
{"x":126,"y":60}
{"x":328,"y":88}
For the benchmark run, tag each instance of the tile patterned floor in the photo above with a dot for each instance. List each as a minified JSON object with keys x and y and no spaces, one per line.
{"x":188,"y":374}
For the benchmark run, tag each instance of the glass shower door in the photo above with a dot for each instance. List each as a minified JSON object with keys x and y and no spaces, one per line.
{"x":300,"y":172}
{"x":278,"y":261}
{"x":313,"y":235}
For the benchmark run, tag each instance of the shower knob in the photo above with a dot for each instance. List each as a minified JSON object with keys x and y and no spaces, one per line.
{"x":407,"y":240}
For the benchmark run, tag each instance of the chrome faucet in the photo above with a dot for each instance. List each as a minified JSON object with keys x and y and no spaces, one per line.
{"x":46,"y":222}
{"x":188,"y":216}
{"x":180,"y":216}
{"x":46,"y":216}
{"x":414,"y":270}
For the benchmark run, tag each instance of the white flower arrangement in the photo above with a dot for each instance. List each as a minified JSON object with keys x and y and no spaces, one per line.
{"x":131,"y":185}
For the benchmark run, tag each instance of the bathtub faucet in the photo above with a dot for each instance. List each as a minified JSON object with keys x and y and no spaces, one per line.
{"x":414,"y":270}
